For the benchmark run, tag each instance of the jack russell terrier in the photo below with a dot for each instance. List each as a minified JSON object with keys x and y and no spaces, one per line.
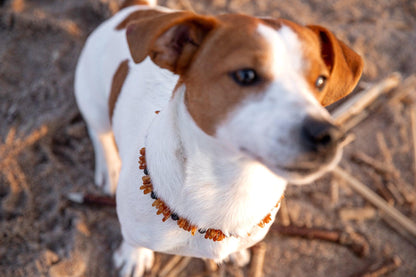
{"x":203,"y":120}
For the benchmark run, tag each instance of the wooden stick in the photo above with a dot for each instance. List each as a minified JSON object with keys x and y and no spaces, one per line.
{"x":406,"y":87}
{"x":156,"y":266}
{"x":257,"y":260}
{"x":355,"y":242}
{"x":334,"y":193}
{"x":380,"y":188}
{"x":386,"y":267}
{"x":354,"y":121}
{"x":284,"y":217}
{"x":356,"y":104}
{"x":377,"y":201}
{"x":395,"y":192}
{"x":396,"y":226}
{"x":380,"y":167}
{"x":397,"y":187}
{"x":382,"y":144}
{"x":92,"y":199}
{"x":179,"y":267}
{"x":170,"y":264}
{"x":358,"y":214}
{"x":413,"y":120}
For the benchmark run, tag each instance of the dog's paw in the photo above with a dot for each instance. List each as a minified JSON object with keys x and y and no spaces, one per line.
{"x":133,"y":261}
{"x":99,"y":176}
{"x":240,"y":258}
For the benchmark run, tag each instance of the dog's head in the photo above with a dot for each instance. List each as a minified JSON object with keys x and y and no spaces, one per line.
{"x":257,"y":85}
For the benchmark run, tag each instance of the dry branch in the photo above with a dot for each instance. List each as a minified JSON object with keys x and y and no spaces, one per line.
{"x":380,"y":167}
{"x":380,"y":188}
{"x":382,"y":144}
{"x":386,"y":267}
{"x":169,"y":266}
{"x":407,"y":86}
{"x":377,"y":201}
{"x":284,"y":217}
{"x":358,"y":214}
{"x":91,"y":199}
{"x":179,"y":267}
{"x":358,"y":103}
{"x":355,"y":242}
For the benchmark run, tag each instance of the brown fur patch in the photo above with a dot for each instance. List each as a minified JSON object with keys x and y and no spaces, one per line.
{"x":129,"y":3}
{"x":344,"y":65}
{"x":211,"y":93}
{"x":327,"y":56}
{"x":116,"y":85}
{"x":137,"y":15}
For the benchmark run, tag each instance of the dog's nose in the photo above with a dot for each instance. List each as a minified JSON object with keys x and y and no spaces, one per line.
{"x":320,"y":134}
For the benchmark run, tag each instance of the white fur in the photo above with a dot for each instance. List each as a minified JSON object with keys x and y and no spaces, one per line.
{"x":206,"y":179}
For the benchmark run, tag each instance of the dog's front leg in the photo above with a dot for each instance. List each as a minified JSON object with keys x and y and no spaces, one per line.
{"x":240,"y":258}
{"x":133,"y":261}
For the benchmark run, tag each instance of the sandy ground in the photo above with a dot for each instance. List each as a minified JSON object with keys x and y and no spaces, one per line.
{"x":45,"y":152}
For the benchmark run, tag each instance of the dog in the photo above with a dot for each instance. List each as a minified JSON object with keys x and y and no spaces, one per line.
{"x":199,"y":122}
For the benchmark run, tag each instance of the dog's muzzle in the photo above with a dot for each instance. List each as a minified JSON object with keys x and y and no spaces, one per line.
{"x":320,"y":136}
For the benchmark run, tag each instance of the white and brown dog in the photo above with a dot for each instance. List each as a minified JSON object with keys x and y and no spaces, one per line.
{"x":241,"y":114}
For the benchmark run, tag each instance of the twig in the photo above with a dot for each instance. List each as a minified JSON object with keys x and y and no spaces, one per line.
{"x":156,"y":266}
{"x":356,"y":104}
{"x":91,"y":199}
{"x":395,"y":192}
{"x":355,"y":242}
{"x":382,"y":144}
{"x":396,"y":226}
{"x":168,"y":267}
{"x":377,"y":201}
{"x":284,"y":217}
{"x":406,"y":87}
{"x":257,"y":260}
{"x":380,"y":188}
{"x":179,"y":267}
{"x":413,"y":120}
{"x":397,"y":186}
{"x":380,"y":167}
{"x":358,"y":214}
{"x":386,"y":267}
{"x":354,"y":121}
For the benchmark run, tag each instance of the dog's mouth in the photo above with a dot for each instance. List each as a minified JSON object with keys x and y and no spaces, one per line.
{"x":306,"y":168}
{"x":307,"y":171}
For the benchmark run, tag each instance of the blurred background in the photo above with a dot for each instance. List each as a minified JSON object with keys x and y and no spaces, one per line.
{"x":45,"y":152}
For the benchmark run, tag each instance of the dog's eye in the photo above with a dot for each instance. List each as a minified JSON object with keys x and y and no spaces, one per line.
{"x":320,"y":82}
{"x":245,"y":77}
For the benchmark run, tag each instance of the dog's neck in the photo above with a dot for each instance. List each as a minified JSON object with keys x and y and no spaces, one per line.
{"x":203,"y":181}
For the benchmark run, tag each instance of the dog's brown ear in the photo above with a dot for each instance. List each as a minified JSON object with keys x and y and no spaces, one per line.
{"x":345,"y":66}
{"x":170,"y":39}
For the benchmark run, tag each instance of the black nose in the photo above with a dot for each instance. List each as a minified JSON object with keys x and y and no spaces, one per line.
{"x":320,"y":135}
